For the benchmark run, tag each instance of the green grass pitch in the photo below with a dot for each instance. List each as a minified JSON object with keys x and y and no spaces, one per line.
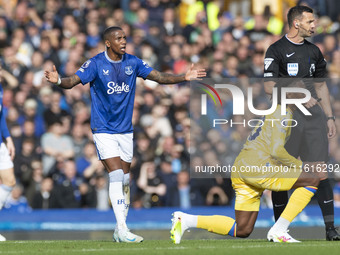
{"x":188,"y":247}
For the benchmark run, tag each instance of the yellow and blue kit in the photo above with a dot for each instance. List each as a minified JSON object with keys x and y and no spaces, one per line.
{"x":264,"y":163}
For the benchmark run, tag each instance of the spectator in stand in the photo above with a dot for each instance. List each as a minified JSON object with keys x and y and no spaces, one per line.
{"x":101,"y":186}
{"x":35,"y":181}
{"x":23,"y":167}
{"x":56,"y":147}
{"x":89,"y":158}
{"x":55,"y":112}
{"x":45,"y":198}
{"x":181,"y":194}
{"x":17,"y":202}
{"x":151,"y":183}
{"x":79,"y":140}
{"x":68,"y":186}
{"x":30,"y":113}
{"x":28,"y":132}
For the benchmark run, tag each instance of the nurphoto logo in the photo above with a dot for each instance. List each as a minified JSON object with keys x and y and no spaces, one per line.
{"x":240,"y":99}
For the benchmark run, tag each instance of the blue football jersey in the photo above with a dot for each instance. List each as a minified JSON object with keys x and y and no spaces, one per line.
{"x":4,"y":133}
{"x":113,"y":86}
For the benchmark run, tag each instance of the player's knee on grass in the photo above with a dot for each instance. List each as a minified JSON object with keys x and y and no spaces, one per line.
{"x":245,"y":221}
{"x":244,"y":230}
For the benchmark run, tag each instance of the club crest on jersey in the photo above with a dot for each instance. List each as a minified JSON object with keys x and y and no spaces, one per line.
{"x":128,"y":70}
{"x":293,"y":69}
{"x":86,"y":64}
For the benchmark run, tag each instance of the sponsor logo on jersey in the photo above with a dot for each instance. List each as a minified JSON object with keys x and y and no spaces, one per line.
{"x":312,"y":69}
{"x":116,"y":88}
{"x":106,"y":72}
{"x":146,"y":64}
{"x":293,"y":69}
{"x":289,"y":55}
{"x":267,"y":62}
{"x":86,"y":64}
{"x":128,"y":70}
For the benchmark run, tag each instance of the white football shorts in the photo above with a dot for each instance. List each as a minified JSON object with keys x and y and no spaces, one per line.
{"x":5,"y":159}
{"x":114,"y":145}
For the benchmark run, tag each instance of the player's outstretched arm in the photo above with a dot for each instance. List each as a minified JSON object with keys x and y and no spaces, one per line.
{"x":166,"y":78}
{"x":65,"y":83}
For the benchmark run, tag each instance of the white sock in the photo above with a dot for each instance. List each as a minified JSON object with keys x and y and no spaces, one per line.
{"x":4,"y":193}
{"x":117,"y":197}
{"x":190,"y":220}
{"x":126,"y":191}
{"x":281,"y":225}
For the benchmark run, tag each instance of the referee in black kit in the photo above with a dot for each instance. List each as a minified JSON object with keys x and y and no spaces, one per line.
{"x":293,"y":56}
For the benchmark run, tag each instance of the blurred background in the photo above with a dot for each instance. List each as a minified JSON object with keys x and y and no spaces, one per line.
{"x":56,"y":165}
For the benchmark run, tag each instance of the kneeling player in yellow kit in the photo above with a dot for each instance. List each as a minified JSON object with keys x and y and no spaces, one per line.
{"x":273,"y":169}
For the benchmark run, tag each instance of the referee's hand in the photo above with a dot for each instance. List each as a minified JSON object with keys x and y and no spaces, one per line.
{"x":331,"y":128}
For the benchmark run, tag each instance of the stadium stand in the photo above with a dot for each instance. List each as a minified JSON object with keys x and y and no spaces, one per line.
{"x":227,"y":38}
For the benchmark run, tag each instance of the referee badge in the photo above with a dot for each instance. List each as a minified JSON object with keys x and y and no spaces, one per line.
{"x":128,"y":70}
{"x":293,"y":69}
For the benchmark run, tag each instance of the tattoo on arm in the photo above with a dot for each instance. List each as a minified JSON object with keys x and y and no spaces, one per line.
{"x":70,"y":82}
{"x":75,"y":79}
{"x":165,"y":78}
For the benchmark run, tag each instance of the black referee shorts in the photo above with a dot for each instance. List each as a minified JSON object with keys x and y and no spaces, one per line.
{"x":309,"y":138}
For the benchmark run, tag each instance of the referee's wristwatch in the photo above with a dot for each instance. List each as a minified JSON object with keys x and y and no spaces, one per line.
{"x":331,"y":118}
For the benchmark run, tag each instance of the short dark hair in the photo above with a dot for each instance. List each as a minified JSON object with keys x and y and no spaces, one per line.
{"x":296,"y":12}
{"x":109,"y":30}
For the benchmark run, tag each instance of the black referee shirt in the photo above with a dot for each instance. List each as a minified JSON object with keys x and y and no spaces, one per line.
{"x":286,"y":59}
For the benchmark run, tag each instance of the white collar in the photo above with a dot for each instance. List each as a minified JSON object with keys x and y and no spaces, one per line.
{"x":294,"y":42}
{"x":112,"y":61}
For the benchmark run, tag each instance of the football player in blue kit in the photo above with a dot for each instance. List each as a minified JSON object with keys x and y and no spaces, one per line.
{"x":7,"y":153}
{"x":112,"y":76}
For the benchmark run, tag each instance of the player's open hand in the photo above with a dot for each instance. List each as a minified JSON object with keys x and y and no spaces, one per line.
{"x":52,"y":76}
{"x":193,"y":74}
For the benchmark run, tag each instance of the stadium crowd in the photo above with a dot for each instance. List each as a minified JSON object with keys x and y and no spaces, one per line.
{"x":56,"y":165}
